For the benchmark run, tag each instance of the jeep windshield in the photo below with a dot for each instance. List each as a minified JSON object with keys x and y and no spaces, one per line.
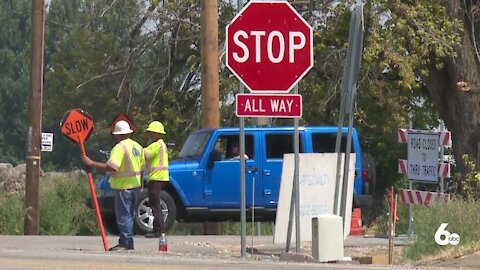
{"x":194,"y":146}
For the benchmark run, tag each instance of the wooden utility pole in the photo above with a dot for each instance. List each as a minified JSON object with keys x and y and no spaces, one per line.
{"x":210,"y":78}
{"x":32,"y":210}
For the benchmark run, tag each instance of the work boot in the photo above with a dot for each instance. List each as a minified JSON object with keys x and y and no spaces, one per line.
{"x":119,"y":248}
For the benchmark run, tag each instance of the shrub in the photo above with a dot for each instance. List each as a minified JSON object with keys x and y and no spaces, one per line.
{"x":462,"y":218}
{"x":380,"y":226}
{"x":11,"y":214}
{"x":62,"y":208}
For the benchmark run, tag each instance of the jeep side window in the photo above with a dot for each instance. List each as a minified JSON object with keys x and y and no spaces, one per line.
{"x":227,"y":147}
{"x":325,"y":143}
{"x":279,"y":144}
{"x":219,"y":149}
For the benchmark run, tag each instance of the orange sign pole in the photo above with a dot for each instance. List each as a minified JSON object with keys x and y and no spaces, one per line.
{"x":94,"y":197}
{"x":392,"y":209}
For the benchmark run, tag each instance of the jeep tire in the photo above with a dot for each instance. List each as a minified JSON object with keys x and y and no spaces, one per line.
{"x":143,"y":222}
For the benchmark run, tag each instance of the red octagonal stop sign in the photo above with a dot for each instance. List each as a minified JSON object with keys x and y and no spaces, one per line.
{"x":269,"y":46}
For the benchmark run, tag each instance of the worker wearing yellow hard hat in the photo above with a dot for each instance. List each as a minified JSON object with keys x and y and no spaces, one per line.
{"x":156,"y":168}
{"x":156,"y":127}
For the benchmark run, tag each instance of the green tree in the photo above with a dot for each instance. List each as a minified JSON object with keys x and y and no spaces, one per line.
{"x":433,"y":45}
{"x":383,"y":100}
{"x":124,"y":56}
{"x":143,"y":58}
{"x":14,"y":70}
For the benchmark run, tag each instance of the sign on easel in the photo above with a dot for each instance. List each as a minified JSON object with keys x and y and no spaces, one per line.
{"x":423,"y":163}
{"x":422,"y":156}
{"x":316,"y":176}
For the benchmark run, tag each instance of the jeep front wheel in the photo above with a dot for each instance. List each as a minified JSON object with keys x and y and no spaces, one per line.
{"x":144,"y":214}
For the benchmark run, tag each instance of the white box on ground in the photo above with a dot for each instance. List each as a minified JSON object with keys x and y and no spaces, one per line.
{"x":327,"y":238}
{"x":317,"y":191}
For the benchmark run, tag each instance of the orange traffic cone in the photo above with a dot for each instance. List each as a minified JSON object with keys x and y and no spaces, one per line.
{"x":356,"y":224}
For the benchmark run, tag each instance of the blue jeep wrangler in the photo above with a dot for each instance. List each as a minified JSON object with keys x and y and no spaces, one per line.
{"x":205,"y":179}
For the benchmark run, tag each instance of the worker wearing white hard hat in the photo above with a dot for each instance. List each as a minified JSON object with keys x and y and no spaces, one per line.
{"x":122,"y":127}
{"x":125,"y":169}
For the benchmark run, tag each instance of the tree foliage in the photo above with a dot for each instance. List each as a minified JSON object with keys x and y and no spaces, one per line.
{"x":14,"y":68}
{"x":143,"y":58}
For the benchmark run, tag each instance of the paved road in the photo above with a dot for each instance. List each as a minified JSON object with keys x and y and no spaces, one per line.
{"x":186,"y":252}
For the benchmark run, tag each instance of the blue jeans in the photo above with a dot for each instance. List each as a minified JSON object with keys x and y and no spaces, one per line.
{"x":125,"y":201}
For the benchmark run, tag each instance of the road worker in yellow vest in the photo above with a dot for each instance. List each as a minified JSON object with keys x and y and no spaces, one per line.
{"x":125,"y":168}
{"x":156,"y":169}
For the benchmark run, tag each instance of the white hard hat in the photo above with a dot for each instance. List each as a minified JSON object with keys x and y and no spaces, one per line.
{"x":121,"y":127}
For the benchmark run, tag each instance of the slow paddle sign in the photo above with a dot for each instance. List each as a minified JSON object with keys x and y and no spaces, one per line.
{"x":77,"y":125}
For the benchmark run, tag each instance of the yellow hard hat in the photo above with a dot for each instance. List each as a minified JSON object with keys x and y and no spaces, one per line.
{"x":156,"y":127}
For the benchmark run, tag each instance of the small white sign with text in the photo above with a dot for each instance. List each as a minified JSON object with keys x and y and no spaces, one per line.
{"x":47,"y":142}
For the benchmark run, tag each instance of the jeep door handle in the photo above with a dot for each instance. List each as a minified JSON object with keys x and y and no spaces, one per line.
{"x":252,"y":169}
{"x":266,"y":172}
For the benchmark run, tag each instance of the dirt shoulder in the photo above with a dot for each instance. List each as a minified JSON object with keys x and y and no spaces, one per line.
{"x":470,"y":261}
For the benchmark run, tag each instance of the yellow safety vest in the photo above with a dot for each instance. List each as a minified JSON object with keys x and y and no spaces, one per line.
{"x":127,"y":159}
{"x":156,"y":165}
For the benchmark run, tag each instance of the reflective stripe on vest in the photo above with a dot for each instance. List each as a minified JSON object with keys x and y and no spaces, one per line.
{"x":162,"y":166}
{"x":128,"y":171}
{"x":157,"y":167}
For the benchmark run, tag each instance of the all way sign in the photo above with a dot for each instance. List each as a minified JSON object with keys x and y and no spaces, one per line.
{"x":266,"y":105}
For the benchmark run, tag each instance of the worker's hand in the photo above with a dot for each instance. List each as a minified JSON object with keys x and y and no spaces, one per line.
{"x":87,"y":161}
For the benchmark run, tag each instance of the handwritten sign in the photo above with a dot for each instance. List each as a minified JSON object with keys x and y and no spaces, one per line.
{"x":317,"y":191}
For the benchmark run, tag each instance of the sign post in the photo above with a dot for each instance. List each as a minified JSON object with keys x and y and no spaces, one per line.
{"x":269,"y":48}
{"x":77,"y":126}
{"x":349,"y":89}
{"x":243,"y":199}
